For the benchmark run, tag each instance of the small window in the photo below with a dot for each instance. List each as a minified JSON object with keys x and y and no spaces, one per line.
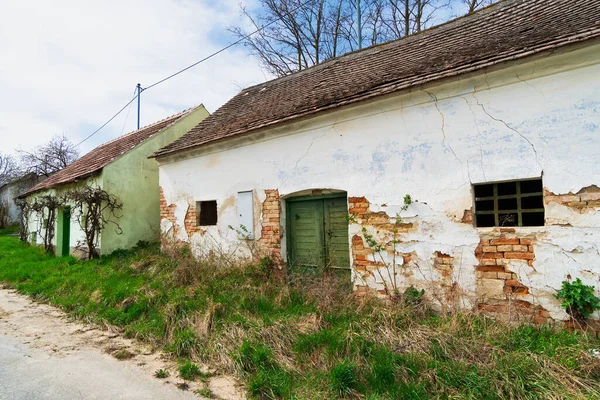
{"x":207,"y":212}
{"x":516,"y":203}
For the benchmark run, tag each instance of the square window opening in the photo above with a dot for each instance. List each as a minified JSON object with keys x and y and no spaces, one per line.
{"x":514,"y":203}
{"x":207,"y":212}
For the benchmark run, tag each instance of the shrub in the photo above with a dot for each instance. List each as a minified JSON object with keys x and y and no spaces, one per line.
{"x":189,"y":371}
{"x":578,"y":299}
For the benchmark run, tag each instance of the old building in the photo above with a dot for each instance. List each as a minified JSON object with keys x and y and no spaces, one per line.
{"x":490,"y":124}
{"x":10,"y":213}
{"x":121,"y":168}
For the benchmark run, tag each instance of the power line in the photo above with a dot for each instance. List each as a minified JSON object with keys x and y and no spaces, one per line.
{"x":127,"y":115}
{"x":191,"y":66}
{"x":107,"y":122}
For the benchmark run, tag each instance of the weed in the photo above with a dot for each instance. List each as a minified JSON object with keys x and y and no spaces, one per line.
{"x":205,"y":392}
{"x":123,"y":354}
{"x":161,"y":373}
{"x":578,"y":299}
{"x":189,"y":371}
{"x":183,"y":386}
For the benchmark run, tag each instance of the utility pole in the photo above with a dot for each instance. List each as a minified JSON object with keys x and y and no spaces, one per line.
{"x":359,"y":18}
{"x":139,"y":92}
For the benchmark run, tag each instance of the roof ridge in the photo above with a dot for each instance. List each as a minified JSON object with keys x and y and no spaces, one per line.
{"x":179,"y":114}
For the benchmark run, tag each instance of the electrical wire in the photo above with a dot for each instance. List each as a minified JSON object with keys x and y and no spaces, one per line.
{"x":191,"y":66}
{"x":127,"y":115}
{"x":107,"y":122}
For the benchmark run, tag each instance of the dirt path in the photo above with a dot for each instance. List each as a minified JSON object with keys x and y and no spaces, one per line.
{"x":44,"y":355}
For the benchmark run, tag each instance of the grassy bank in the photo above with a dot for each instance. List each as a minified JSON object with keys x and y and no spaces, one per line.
{"x":307,"y":339}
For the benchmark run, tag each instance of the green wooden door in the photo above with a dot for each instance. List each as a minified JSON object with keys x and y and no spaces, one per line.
{"x":336,"y":232}
{"x":66,"y":232}
{"x":318,"y":232}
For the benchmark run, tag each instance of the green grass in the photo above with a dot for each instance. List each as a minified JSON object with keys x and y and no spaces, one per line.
{"x":307,"y":338}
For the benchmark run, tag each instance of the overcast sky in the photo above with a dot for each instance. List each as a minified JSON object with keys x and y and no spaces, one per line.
{"x":66,"y":66}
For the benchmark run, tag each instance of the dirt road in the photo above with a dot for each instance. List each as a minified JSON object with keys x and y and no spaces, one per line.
{"x":45,"y":356}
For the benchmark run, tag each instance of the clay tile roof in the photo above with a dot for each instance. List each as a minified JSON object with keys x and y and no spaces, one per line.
{"x":104,"y":154}
{"x":505,"y":31}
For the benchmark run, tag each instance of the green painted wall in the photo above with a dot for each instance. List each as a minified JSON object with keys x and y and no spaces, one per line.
{"x":133,"y":178}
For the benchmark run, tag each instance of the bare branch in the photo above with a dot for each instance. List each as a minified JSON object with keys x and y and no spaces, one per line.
{"x":49,"y":158}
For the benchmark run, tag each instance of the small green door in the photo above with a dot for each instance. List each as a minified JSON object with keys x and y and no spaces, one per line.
{"x":66,"y":232}
{"x":318,"y":231}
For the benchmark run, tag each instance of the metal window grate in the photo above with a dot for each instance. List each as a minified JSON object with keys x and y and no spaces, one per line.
{"x":514,"y":203}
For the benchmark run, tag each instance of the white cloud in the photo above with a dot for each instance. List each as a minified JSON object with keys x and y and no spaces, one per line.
{"x":66,"y":66}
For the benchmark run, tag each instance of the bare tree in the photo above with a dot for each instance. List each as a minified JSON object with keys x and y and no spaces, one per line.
{"x":48,"y":158}
{"x":474,"y":5}
{"x":94,"y":208}
{"x":298,"y":34}
{"x":9,"y":168}
{"x":293,"y":34}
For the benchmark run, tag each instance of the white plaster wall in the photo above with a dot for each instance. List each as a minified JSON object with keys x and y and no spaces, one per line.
{"x":536,"y":118}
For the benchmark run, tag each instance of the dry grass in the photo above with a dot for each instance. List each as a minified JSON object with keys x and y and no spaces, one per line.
{"x":307,"y":336}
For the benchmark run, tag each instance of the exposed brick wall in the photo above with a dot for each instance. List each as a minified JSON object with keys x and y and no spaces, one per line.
{"x":444,"y":263}
{"x":363,"y":260}
{"x":587,"y":199}
{"x":191,"y":220}
{"x":166,"y":211}
{"x":358,"y":205}
{"x":501,"y":291}
{"x":271,"y":219}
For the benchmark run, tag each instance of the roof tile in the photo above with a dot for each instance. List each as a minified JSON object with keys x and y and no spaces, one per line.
{"x":507,"y":30}
{"x":104,"y":154}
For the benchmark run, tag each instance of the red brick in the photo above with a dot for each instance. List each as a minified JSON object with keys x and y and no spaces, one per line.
{"x":526,"y":241}
{"x":490,"y":268}
{"x":544,"y":313}
{"x":508,"y":230}
{"x":577,"y":204}
{"x":488,"y":261}
{"x":490,"y":249}
{"x":493,"y":307}
{"x":491,"y":255}
{"x":519,"y":256}
{"x":496,"y":242}
{"x":589,"y":196}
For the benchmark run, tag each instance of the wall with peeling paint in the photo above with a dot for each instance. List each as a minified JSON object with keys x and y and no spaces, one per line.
{"x":520,"y":120}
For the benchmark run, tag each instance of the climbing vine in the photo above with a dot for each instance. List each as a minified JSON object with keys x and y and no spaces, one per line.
{"x":25,"y":209}
{"x":45,"y":208}
{"x":94,"y":208}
